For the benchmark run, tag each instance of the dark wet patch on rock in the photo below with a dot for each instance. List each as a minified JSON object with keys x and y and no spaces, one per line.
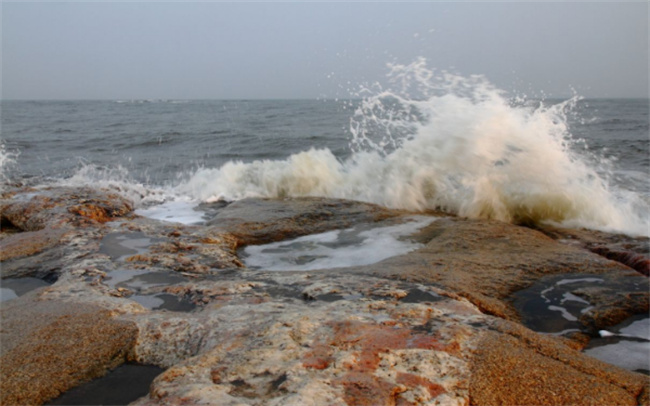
{"x":164,"y":301}
{"x":328,"y":297}
{"x":630,"y":251}
{"x":120,"y":386}
{"x":139,"y":280}
{"x":420,"y":296}
{"x":580,"y":302}
{"x":262,"y":221}
{"x":20,"y":286}
{"x":119,"y":246}
{"x":211,"y":210}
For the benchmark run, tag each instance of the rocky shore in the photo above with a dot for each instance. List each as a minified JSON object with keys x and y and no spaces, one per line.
{"x":462,"y":319}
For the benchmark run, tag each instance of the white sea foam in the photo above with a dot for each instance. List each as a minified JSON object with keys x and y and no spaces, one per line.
{"x":439,"y":141}
{"x":177,"y":211}
{"x":588,"y":280}
{"x":565,"y":313}
{"x":7,"y":162}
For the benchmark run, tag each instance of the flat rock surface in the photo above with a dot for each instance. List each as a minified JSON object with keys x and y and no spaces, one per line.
{"x":487,"y":261}
{"x":437,"y":325}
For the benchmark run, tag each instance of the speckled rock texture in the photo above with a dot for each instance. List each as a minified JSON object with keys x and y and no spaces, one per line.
{"x":48,"y":347}
{"x":436,"y":326}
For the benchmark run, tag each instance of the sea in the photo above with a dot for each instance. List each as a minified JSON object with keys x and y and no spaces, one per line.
{"x":424,"y":141}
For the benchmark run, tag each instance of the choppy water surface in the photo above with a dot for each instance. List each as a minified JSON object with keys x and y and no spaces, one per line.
{"x":429,"y":140}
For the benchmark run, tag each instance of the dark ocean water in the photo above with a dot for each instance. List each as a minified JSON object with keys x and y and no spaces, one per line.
{"x":193,"y":149}
{"x":156,"y":140}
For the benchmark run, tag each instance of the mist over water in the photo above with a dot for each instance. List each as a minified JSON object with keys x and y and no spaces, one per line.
{"x":429,"y":140}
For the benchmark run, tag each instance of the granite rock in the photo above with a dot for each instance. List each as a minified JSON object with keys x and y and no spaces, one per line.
{"x":434,"y":326}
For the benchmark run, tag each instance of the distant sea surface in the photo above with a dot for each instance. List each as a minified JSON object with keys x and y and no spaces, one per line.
{"x":584,"y":162}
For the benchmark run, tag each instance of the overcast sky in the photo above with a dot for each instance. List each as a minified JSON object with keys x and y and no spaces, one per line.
{"x":219,"y":50}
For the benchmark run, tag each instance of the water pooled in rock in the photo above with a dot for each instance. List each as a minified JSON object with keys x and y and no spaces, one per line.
{"x":550,"y":307}
{"x":143,"y":282}
{"x":13,"y":288}
{"x":626,"y":345}
{"x":556,"y":305}
{"x":121,"y":386}
{"x":120,"y":246}
{"x":361,"y":245}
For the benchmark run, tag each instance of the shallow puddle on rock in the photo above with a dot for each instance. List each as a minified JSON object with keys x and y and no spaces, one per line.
{"x":363,"y":244}
{"x":551,"y":306}
{"x":120,"y":386}
{"x":626,"y":345}
{"x":139,"y":281}
{"x":164,"y":301}
{"x":120,"y":246}
{"x":13,"y":288}
{"x":175,"y":211}
{"x":421,"y":296}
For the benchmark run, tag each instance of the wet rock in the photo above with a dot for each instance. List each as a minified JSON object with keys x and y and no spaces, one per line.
{"x":48,"y":224}
{"x":435,"y":326}
{"x":58,"y":207}
{"x":20,"y":286}
{"x":564,"y":303}
{"x":29,"y":243}
{"x":513,"y":366}
{"x":631,"y":251}
{"x":187,"y":249}
{"x":261,"y":221}
{"x":133,"y":381}
{"x":613,"y":306}
{"x":487,"y":261}
{"x":359,"y":352}
{"x":47,"y":347}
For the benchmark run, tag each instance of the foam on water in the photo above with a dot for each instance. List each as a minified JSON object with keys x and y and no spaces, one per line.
{"x":361,"y":245}
{"x":118,"y":180}
{"x":428,"y":140}
{"x":181,"y":210}
{"x":439,"y":141}
{"x":7,"y":162}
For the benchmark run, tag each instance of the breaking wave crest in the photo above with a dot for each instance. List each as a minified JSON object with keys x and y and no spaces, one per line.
{"x":7,"y":163}
{"x":118,"y":180}
{"x":446,"y":142}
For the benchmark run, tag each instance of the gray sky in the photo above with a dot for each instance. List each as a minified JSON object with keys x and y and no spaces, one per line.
{"x":225,"y":50}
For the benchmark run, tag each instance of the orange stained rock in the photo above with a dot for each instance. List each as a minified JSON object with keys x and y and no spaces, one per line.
{"x":319,"y":357}
{"x":371,"y":340}
{"x":413,"y":381}
{"x":364,"y":389}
